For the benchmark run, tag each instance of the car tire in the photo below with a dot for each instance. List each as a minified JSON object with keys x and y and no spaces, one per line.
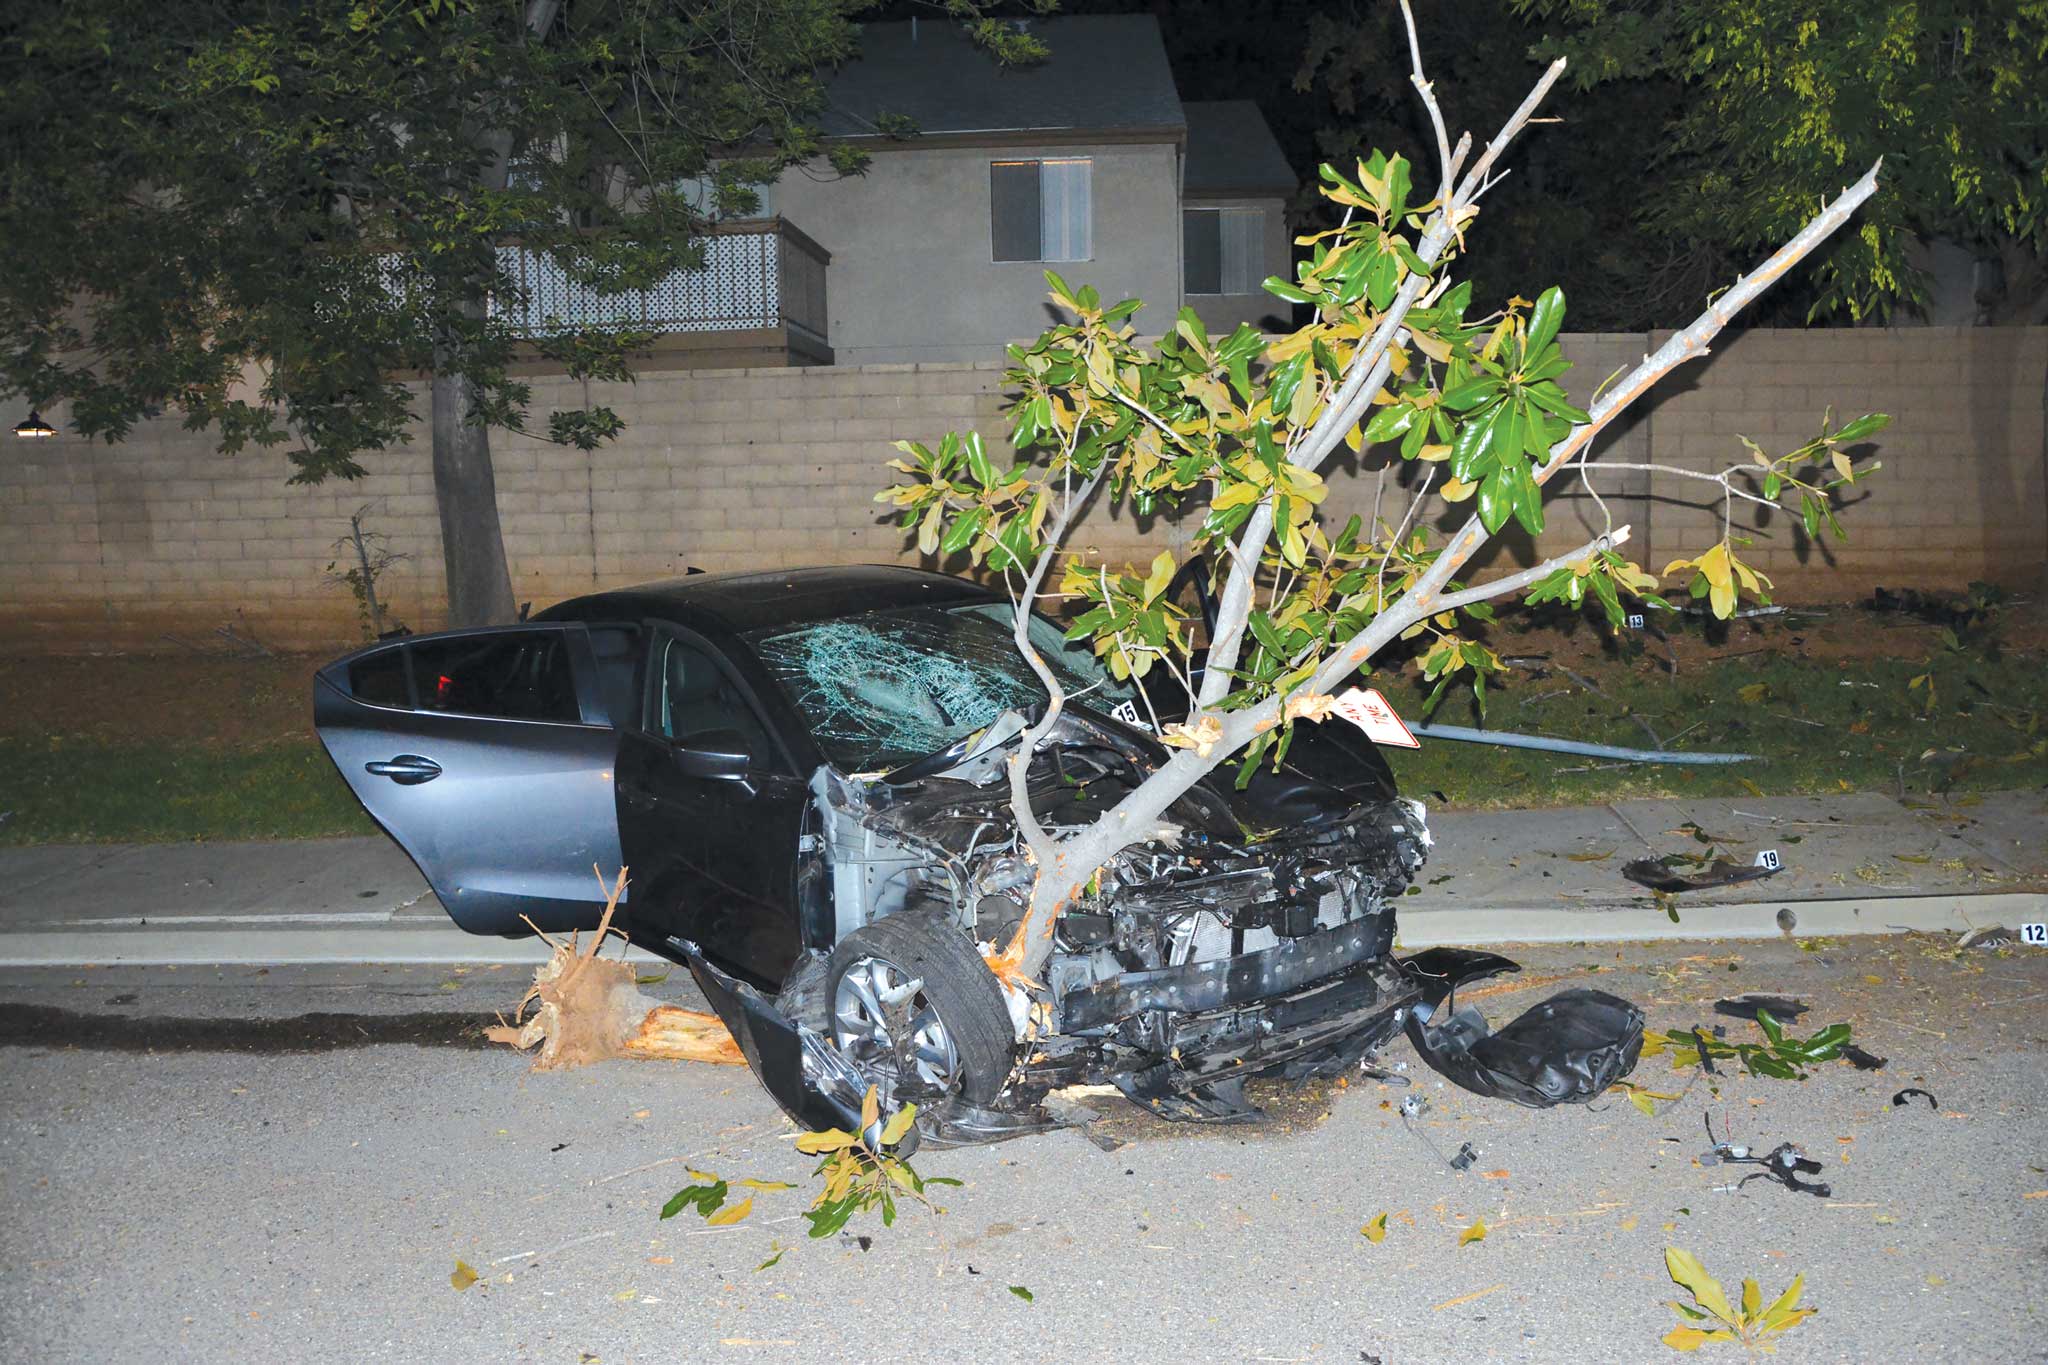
{"x":959,"y":993}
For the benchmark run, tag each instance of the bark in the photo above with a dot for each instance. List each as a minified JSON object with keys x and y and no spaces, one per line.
{"x":465,"y":487}
{"x":466,"y":494}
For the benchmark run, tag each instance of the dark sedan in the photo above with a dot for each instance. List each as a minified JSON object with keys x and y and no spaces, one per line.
{"x":803,"y":772}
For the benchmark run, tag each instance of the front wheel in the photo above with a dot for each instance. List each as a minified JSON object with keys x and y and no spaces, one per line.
{"x":913,"y":1004}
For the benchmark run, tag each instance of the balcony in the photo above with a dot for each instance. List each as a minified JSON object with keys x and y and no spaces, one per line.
{"x":758,"y":300}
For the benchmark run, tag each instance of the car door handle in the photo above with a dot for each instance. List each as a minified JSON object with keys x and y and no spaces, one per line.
{"x":407,"y":770}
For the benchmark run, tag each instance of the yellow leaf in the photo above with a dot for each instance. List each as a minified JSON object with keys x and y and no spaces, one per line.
{"x":1690,"y":1338}
{"x":1686,"y":1270}
{"x":1842,"y":466}
{"x":702,"y":1177}
{"x":1642,"y":1102}
{"x":1752,"y":1297}
{"x":1475,"y":1233}
{"x":1375,"y":1231}
{"x":1628,"y":1224}
{"x":731,"y":1213}
{"x":465,"y":1275}
{"x":1457,"y":490}
{"x":1786,"y":1303}
{"x":1754,"y":693}
{"x":831,"y":1140}
{"x":899,"y":1124}
{"x":870,"y":1109}
{"x":767,"y":1185}
{"x":1434,"y":451}
{"x":1161,"y":575}
{"x":1237,"y":495}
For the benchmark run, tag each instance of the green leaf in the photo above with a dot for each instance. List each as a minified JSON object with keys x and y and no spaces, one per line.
{"x":1021,"y":1292}
{"x":1496,"y":500}
{"x":1545,"y":319}
{"x":961,"y":532}
{"x":1273,"y":284}
{"x":1773,"y":1030}
{"x":1867,"y":425}
{"x":1471,"y":393}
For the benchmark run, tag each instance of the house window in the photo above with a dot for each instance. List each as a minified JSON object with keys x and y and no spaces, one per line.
{"x":1041,"y":210}
{"x":1223,"y":250}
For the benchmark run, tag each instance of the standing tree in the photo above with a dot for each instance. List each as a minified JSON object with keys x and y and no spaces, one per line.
{"x":1780,"y":102}
{"x":1391,"y":360}
{"x":270,"y":215}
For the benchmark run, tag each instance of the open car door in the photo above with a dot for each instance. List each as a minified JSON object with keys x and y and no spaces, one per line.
{"x":489,"y":756}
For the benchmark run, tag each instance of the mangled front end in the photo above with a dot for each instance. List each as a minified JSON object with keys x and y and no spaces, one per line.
{"x":1193,"y":961}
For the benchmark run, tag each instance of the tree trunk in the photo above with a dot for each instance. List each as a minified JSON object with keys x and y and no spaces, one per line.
{"x":466,"y":492}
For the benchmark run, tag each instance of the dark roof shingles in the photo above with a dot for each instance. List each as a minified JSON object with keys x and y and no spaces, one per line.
{"x":1106,"y":72}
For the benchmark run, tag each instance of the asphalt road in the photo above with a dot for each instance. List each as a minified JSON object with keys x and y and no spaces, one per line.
{"x":264,"y":1187}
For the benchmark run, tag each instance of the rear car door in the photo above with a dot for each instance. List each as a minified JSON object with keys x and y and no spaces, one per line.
{"x":489,"y":756}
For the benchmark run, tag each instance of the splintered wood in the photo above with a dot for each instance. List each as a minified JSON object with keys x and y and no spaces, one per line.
{"x":590,"y":1008}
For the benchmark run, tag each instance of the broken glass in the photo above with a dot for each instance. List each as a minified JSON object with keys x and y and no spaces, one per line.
{"x":882,"y":689}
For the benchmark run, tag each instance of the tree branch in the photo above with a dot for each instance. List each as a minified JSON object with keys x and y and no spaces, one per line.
{"x":1529,"y":577}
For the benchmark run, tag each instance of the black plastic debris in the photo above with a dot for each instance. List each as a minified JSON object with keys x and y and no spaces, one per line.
{"x":1783,"y":1164}
{"x":1652,"y":873}
{"x":1862,"y":1060}
{"x":1467,"y":1154}
{"x":1782,"y":1008}
{"x":1909,"y":1092}
{"x":1566,"y":1050}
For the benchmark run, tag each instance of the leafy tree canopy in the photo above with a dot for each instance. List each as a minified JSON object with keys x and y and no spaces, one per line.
{"x":1782,"y":105}
{"x":268,"y":214}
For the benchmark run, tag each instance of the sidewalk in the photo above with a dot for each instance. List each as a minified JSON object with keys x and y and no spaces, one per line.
{"x":1858,"y":863}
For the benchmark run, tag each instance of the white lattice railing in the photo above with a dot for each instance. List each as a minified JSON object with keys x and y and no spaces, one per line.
{"x":757,"y":274}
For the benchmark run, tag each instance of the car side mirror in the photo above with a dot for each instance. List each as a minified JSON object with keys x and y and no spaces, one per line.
{"x":714,"y":753}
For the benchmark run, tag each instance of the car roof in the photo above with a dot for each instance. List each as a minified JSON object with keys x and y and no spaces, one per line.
{"x":741,"y":602}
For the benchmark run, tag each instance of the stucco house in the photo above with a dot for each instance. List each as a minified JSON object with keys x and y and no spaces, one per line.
{"x":1088,"y":164}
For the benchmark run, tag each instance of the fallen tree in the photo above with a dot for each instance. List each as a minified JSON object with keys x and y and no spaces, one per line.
{"x":1232,"y":434}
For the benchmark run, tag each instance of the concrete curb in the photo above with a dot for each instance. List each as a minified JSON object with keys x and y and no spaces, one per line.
{"x":276,"y":944}
{"x":1762,"y":919}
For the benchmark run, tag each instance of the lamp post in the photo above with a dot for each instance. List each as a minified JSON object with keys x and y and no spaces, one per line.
{"x":34,"y":428}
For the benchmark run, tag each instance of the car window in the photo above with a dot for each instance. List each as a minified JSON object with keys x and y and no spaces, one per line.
{"x":618,"y":653}
{"x":379,"y":680}
{"x":510,"y":675}
{"x":882,"y":689}
{"x":697,"y":697}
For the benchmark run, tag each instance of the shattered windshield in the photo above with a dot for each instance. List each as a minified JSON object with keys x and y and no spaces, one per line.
{"x":882,"y":689}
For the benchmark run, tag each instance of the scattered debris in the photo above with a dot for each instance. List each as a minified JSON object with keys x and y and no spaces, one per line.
{"x":1656,"y":874}
{"x":465,"y":1275}
{"x":1375,"y":1231}
{"x":1862,"y":1060}
{"x":1566,"y":1050}
{"x":862,"y":1171}
{"x":1475,"y":1233}
{"x":1784,"y":1164}
{"x":1904,"y":1095}
{"x":1995,"y":936}
{"x":1467,"y":1154}
{"x":1746,"y":1006}
{"x":1778,"y":1056}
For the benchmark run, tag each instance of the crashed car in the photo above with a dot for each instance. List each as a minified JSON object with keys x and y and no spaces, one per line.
{"x":806,"y":774}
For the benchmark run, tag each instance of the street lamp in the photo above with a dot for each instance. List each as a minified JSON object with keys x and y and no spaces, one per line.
{"x":35,"y":428}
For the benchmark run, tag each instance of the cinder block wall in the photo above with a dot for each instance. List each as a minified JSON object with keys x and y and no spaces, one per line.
{"x":119,"y":546}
